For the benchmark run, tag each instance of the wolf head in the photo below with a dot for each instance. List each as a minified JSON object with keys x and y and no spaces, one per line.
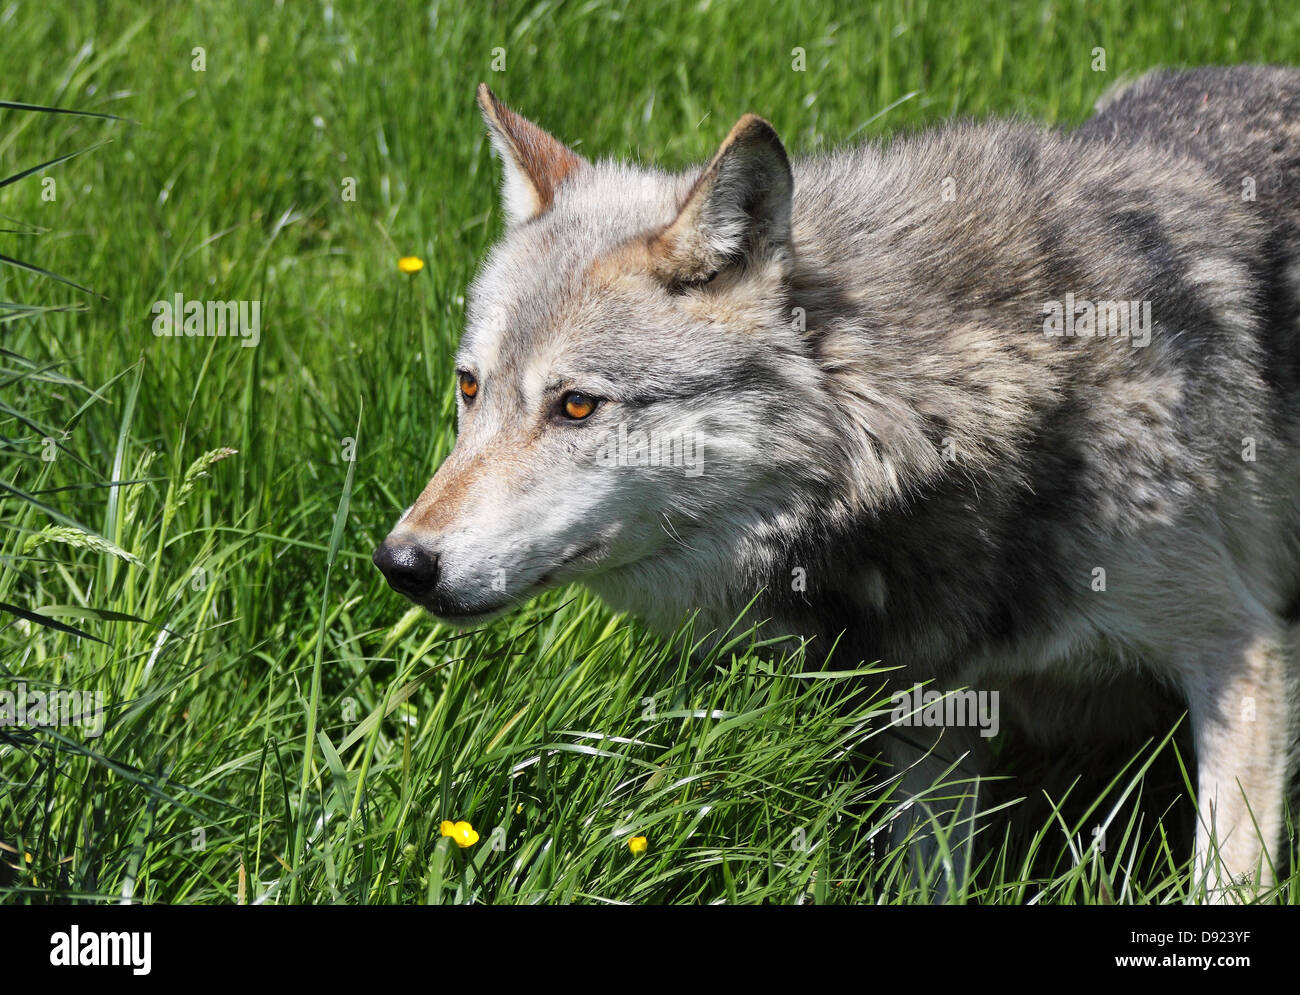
{"x":628,"y":361}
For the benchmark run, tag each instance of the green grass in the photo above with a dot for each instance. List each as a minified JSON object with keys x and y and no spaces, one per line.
{"x":241,"y":637}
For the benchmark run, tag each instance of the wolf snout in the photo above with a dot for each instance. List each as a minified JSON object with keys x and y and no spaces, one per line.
{"x":410,"y":569}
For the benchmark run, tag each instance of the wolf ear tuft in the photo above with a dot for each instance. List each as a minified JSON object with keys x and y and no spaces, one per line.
{"x":738,"y":209}
{"x":535,"y":163}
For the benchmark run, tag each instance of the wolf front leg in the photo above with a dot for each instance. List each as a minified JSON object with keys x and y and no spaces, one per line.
{"x":938,"y":774}
{"x":1241,"y":705}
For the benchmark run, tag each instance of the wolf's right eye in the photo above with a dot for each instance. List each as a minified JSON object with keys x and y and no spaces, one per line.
{"x":578,"y":406}
{"x":468,"y":385}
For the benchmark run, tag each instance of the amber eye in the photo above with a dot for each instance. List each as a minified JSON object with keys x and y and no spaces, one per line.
{"x":578,"y":406}
{"x":468,"y":385}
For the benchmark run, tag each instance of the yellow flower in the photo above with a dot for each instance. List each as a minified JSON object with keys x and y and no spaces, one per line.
{"x":462,"y":832}
{"x":638,"y":844}
{"x":519,"y":808}
{"x":410,"y":264}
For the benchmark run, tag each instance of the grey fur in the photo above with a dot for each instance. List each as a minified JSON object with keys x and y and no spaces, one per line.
{"x":883,"y":414}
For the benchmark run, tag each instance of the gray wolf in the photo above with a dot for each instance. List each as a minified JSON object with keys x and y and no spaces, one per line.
{"x":1007,"y":407}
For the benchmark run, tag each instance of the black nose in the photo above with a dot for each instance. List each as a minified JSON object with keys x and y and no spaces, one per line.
{"x":409,"y":568}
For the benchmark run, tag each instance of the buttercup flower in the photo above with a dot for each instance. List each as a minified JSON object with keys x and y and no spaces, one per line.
{"x":638,"y":844}
{"x":410,"y":264}
{"x":462,"y":832}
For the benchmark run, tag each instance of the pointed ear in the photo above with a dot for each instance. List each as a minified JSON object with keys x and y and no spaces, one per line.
{"x":535,"y":163}
{"x":738,"y":209}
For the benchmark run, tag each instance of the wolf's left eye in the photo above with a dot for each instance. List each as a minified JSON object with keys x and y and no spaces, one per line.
{"x":468,"y":385}
{"x":578,"y":406}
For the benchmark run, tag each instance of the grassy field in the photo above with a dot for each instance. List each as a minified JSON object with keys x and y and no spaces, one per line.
{"x":279,"y":726}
